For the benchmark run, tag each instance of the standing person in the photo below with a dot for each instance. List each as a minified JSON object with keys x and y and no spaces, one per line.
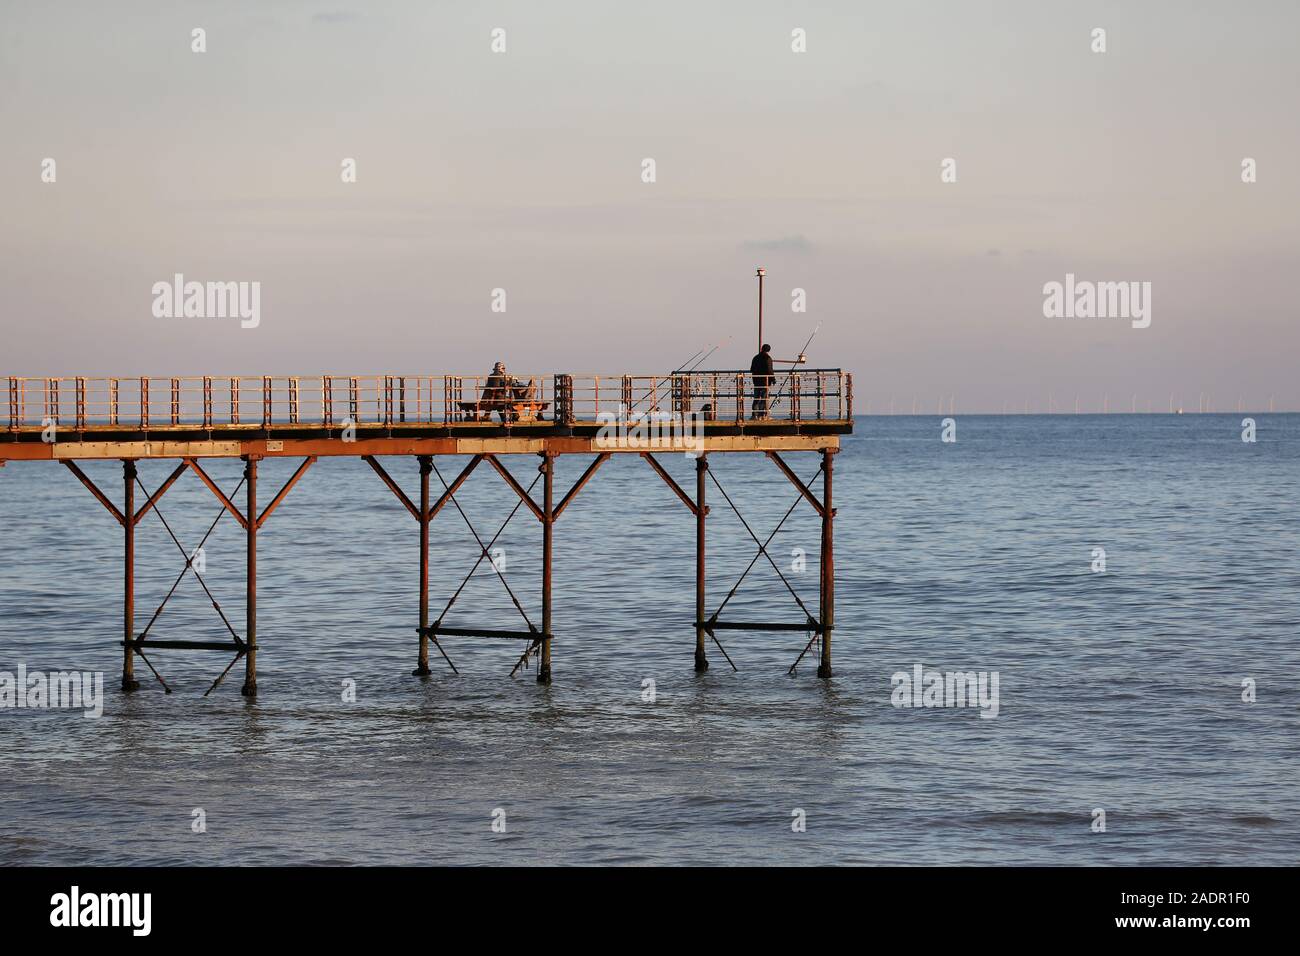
{"x":761,"y":371}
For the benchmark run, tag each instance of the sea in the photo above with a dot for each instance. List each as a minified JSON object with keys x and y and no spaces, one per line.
{"x":1129,"y":585}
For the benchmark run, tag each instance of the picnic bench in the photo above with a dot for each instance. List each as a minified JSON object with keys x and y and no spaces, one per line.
{"x":516,"y":410}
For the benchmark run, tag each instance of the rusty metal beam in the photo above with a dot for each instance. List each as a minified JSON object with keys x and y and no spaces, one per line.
{"x":482,"y":632}
{"x":238,"y":440}
{"x":809,"y":625}
{"x":222,"y":676}
{"x":548,"y":534}
{"x":293,"y":480}
{"x":422,"y":658}
{"x":577,"y":485}
{"x":795,"y":480}
{"x":534,"y":648}
{"x":524,"y":496}
{"x":99,"y":495}
{"x":701,"y":513}
{"x":827,"y":570}
{"x":714,"y":637}
{"x":422,"y":661}
{"x":149,"y":664}
{"x":129,"y":683}
{"x":160,"y":491}
{"x":221,"y":496}
{"x":392,"y":486}
{"x":186,"y":645}
{"x":250,"y":590}
{"x":451,"y":489}
{"x":668,"y":479}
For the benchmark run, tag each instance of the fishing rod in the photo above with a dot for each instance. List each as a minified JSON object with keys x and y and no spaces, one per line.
{"x":702,"y":358}
{"x":803,"y":352}
{"x":694,"y":362}
{"x":691,"y":368}
{"x":697,"y":356}
{"x":687,"y":367}
{"x":689,"y":360}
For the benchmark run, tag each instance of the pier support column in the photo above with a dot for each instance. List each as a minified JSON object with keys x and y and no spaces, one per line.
{"x":129,"y":683}
{"x":250,"y":658}
{"x":827,"y":563}
{"x":701,"y":512}
{"x":548,"y":521}
{"x":422,"y":665}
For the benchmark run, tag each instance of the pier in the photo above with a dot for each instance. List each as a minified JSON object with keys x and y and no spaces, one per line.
{"x":393,"y":421}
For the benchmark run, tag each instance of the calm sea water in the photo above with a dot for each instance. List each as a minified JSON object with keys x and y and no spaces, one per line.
{"x":1119,"y":691}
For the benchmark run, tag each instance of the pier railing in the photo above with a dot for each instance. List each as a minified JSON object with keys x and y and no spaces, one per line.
{"x":260,"y":402}
{"x":805,"y":395}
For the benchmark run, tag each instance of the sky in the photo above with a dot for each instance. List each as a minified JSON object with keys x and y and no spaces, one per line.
{"x":522,"y":170}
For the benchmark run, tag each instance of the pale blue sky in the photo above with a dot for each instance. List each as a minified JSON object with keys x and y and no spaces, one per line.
{"x":522,"y":171}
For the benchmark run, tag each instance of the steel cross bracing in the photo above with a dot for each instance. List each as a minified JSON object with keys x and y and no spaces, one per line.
{"x":133,"y":645}
{"x":539,"y":639}
{"x":537,"y":634}
{"x":820,"y":625}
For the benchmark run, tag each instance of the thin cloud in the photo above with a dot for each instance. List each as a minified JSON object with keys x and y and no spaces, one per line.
{"x":792,"y":244}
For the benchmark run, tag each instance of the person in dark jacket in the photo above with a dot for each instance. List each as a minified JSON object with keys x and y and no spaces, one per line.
{"x":761,"y":371}
{"x":496,"y":393}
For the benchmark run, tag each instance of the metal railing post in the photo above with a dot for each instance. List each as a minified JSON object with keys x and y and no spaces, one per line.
{"x":563,"y":394}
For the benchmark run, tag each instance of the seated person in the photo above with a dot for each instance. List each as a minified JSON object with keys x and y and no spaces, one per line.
{"x":496,"y":393}
{"x":525,"y":393}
